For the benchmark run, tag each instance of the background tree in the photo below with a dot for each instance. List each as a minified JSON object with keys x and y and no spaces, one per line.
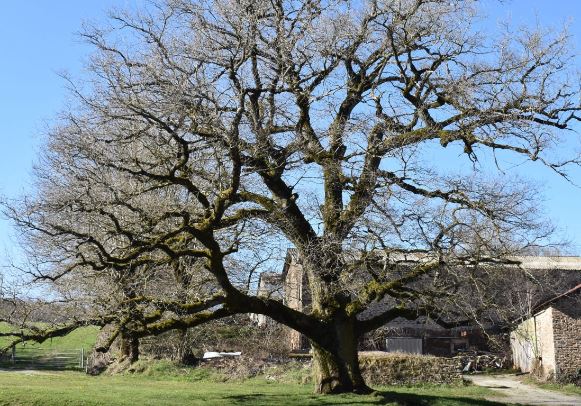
{"x":219,"y":132}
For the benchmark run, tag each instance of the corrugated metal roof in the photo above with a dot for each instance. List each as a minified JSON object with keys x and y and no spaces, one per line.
{"x":565,"y":295}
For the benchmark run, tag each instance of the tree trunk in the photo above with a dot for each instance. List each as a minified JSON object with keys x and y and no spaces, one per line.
{"x":183,"y":352}
{"x":335,"y":359}
{"x":336,"y":363}
{"x":129,"y":348}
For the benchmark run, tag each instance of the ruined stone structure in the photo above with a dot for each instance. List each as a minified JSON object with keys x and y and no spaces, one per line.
{"x":548,"y":344}
{"x":270,"y":285}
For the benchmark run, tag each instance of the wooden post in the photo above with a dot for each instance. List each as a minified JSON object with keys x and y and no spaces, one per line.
{"x":14,"y":355}
{"x":82,"y":358}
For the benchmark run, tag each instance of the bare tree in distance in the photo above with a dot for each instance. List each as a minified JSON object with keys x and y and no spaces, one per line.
{"x":217,"y":133}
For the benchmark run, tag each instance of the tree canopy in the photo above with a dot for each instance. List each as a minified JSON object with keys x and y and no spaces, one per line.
{"x":213,"y":135}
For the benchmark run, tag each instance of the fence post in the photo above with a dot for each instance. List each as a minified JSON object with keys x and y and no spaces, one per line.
{"x":13,"y":355}
{"x":82,"y":357}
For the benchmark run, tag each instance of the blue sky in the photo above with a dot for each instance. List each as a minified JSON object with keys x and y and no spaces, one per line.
{"x":37,"y":40}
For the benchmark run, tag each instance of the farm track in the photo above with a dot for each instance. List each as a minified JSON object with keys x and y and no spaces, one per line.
{"x":514,"y":391}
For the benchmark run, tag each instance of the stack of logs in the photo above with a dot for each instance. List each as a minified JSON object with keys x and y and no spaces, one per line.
{"x":474,"y":361}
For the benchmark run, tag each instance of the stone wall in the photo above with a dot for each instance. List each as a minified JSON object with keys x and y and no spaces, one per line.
{"x":567,"y":335}
{"x":293,"y":298}
{"x":407,"y":369}
{"x":549,"y":343}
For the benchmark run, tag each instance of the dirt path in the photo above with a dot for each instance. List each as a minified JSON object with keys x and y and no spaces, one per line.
{"x":517,"y":392}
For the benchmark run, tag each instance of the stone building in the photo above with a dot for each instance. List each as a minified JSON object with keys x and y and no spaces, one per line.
{"x":270,"y":285}
{"x":548,"y":344}
{"x":419,"y":336}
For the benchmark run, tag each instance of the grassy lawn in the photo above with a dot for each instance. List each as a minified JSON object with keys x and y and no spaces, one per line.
{"x":59,"y":352}
{"x":71,"y":388}
{"x":83,"y":337}
{"x":162,"y":383}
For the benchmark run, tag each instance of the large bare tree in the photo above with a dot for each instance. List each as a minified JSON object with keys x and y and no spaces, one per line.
{"x":214,"y":134}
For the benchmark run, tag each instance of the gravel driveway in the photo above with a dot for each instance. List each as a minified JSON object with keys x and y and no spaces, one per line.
{"x":515,"y":391}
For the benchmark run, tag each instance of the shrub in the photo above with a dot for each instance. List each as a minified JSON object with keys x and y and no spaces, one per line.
{"x":231,"y":334}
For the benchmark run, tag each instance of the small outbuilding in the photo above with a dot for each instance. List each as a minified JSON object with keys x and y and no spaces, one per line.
{"x":548,"y":344}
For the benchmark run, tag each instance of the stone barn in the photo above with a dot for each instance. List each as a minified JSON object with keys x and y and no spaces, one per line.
{"x":548,"y":344}
{"x":417,"y":336}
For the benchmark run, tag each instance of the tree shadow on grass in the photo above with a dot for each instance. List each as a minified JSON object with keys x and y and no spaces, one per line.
{"x":409,"y":399}
{"x":378,"y":398}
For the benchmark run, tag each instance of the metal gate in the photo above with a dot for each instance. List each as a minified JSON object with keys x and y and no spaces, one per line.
{"x":43,"y":358}
{"x":408,"y":345}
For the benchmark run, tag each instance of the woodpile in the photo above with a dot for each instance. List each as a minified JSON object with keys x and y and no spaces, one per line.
{"x":474,"y":361}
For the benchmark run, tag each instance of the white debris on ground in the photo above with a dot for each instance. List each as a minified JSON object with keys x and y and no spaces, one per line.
{"x":215,"y":354}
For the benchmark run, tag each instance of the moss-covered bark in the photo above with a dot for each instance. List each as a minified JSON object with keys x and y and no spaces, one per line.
{"x":334,"y":374}
{"x":336,"y":363}
{"x":129,"y":347}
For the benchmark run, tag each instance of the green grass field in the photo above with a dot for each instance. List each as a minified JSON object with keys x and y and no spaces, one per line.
{"x":71,"y":388}
{"x":83,"y":337}
{"x":56,"y":353}
{"x":164,"y":383}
